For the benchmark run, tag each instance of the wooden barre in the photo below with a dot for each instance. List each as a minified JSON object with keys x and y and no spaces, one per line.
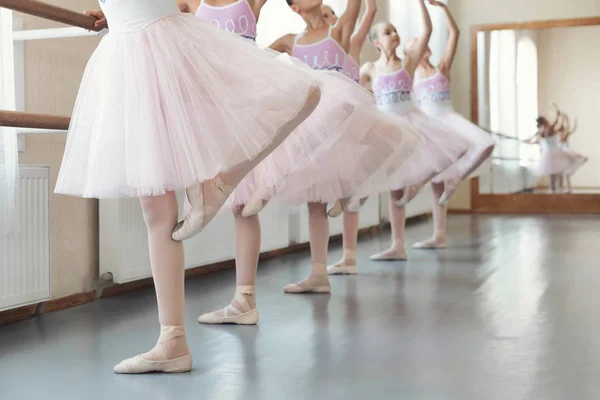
{"x":16,"y":119}
{"x":53,"y":13}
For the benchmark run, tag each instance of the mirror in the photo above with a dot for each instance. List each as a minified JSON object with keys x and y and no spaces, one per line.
{"x":520,"y":73}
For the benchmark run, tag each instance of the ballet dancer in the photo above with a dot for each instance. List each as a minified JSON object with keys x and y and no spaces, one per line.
{"x":166,"y":98}
{"x":339,"y":170}
{"x":239,"y":17}
{"x":565,"y":132}
{"x":347,"y":265}
{"x":391,"y":79}
{"x":554,"y":162}
{"x":432,"y":94}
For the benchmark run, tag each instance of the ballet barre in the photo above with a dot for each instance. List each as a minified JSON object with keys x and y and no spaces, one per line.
{"x":17,"y":119}
{"x":50,"y":12}
{"x":56,"y":33}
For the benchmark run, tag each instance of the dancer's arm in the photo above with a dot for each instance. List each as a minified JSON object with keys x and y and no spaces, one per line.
{"x":188,"y":6}
{"x":453,"y":35}
{"x":555,"y":126}
{"x":284,"y":44}
{"x":417,"y":50}
{"x":347,"y":22}
{"x":366,"y":75}
{"x":101,"y":22}
{"x":359,"y":38}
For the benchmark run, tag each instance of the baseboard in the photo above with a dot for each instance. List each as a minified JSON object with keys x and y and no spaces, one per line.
{"x":23,"y":313}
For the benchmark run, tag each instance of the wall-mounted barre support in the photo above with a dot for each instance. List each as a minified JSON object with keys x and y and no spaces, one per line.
{"x":18,"y":119}
{"x":53,"y":13}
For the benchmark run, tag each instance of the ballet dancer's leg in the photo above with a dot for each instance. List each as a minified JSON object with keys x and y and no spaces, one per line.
{"x":171,"y":353}
{"x":206,"y":198}
{"x":242,"y":309}
{"x":438,"y":240}
{"x":347,"y":265}
{"x":398,"y":221}
{"x":318,"y":281}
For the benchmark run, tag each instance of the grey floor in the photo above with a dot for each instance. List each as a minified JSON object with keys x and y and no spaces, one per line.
{"x":509,"y":312}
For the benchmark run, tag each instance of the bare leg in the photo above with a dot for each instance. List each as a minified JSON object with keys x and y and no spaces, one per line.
{"x":242,"y":309}
{"x":318,"y":281}
{"x":347,"y":265}
{"x":398,"y":221}
{"x":171,"y":353}
{"x":438,"y":240}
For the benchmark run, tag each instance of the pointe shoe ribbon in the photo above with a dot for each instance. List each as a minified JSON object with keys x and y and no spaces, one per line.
{"x":139,"y":365}
{"x":231,"y":315}
{"x":201,"y":214}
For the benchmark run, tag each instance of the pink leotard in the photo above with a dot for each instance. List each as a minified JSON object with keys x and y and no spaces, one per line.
{"x":326,"y":54}
{"x":235,"y":18}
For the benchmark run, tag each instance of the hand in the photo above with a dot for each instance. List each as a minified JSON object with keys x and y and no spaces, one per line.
{"x":101,"y":22}
{"x":436,"y":3}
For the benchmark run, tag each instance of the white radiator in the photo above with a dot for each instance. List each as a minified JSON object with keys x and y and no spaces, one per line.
{"x":25,"y":252}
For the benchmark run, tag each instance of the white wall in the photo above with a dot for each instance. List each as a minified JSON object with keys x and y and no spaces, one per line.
{"x":569,"y":61}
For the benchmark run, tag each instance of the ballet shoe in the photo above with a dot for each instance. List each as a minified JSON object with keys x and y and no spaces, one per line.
{"x":315,"y":283}
{"x":338,"y":208}
{"x":140,"y":365}
{"x":431,"y":243}
{"x":450,"y":187}
{"x":201,"y":214}
{"x":394,"y":254}
{"x":342,"y":269}
{"x":253,"y":206}
{"x":231,"y":314}
{"x":355,"y":205}
{"x":408,"y":195}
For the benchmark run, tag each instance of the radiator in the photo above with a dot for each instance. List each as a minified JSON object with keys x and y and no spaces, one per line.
{"x":25,"y":252}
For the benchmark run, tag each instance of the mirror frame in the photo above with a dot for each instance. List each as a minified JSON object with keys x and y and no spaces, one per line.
{"x":523,"y":203}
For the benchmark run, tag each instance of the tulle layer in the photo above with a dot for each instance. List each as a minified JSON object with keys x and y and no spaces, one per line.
{"x":480,"y":143}
{"x":555,"y":161}
{"x":578,"y":160}
{"x":438,"y":149}
{"x":172,"y":104}
{"x":342,"y":145}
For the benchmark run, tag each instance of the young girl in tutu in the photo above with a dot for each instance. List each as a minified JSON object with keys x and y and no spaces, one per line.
{"x":351,"y":69}
{"x":355,"y":152}
{"x":564,"y":133}
{"x":432,"y":94}
{"x":164,"y":105}
{"x":391,"y":79}
{"x":554,"y":162}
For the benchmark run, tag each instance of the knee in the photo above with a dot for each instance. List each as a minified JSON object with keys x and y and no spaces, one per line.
{"x":317,"y":209}
{"x":159,"y":211}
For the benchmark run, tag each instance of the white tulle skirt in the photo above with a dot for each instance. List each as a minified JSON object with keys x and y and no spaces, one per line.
{"x":173,"y":104}
{"x":349,"y":141}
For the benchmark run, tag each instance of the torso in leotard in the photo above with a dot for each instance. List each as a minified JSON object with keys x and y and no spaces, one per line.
{"x":351,"y":69}
{"x":432,"y":94}
{"x":235,"y":18}
{"x":549,"y":142}
{"x":133,"y":15}
{"x":393,"y":91}
{"x":326,"y":54}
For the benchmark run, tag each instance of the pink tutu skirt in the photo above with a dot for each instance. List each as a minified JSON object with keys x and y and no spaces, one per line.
{"x":342,"y":145}
{"x":480,"y":142}
{"x":439,"y":148}
{"x":578,"y":160}
{"x":172,"y":104}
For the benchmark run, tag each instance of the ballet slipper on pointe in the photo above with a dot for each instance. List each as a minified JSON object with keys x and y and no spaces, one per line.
{"x":159,"y":362}
{"x":200,"y":213}
{"x":450,"y":187}
{"x":254,"y":205}
{"x":408,"y":195}
{"x":342,"y":205}
{"x":231,"y":314}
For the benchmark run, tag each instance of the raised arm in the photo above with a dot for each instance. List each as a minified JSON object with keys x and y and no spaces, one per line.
{"x":347,"y":21}
{"x":453,"y":35}
{"x":417,"y":50}
{"x":360,"y":36}
{"x":284,"y":44}
{"x":366,"y":75}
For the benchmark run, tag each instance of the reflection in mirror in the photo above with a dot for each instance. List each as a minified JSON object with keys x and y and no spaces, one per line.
{"x":536,"y":93}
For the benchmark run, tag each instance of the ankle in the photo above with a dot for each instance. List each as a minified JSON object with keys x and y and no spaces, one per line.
{"x":248,"y":293}
{"x":398,"y":244}
{"x":319,"y":269}
{"x":349,"y":256}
